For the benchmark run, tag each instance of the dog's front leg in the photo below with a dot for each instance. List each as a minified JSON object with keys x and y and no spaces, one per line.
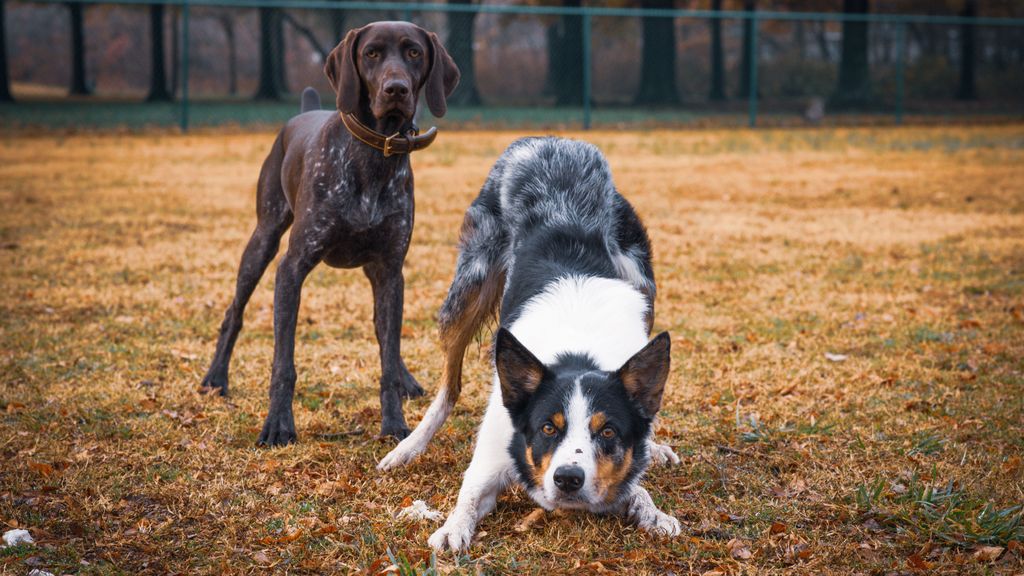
{"x":395,"y":381}
{"x":640,"y":509}
{"x":279,"y":427}
{"x":488,"y":474}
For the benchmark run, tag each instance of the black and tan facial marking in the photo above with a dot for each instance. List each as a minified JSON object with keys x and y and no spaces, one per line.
{"x":381,"y":68}
{"x":572,"y":418}
{"x":614,"y":470}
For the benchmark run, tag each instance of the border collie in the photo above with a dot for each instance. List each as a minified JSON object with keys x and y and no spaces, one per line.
{"x":577,"y":384}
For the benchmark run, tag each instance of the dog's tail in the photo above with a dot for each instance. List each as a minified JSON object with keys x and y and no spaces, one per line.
{"x":310,"y":100}
{"x":472,"y":299}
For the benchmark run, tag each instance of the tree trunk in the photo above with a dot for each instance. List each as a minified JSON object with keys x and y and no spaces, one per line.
{"x":338,"y":24}
{"x":158,"y":91}
{"x":460,"y":46}
{"x":658,"y":68}
{"x":5,"y":82}
{"x":568,"y":72}
{"x":717,"y":59}
{"x":269,"y":87}
{"x":228,"y":24}
{"x":281,"y":52}
{"x":854,"y":85}
{"x":175,"y":51}
{"x":79,"y":86}
{"x":800,"y":38}
{"x":968,"y":90}
{"x":554,"y":58}
{"x":821,"y":35}
{"x":746,"y":65}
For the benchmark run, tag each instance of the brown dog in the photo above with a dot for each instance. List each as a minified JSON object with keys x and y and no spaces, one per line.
{"x":342,"y":181}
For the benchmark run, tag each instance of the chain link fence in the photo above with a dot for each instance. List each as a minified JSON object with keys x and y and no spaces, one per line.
{"x":104,"y":63}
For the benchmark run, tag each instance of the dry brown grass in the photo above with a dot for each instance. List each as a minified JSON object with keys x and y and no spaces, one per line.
{"x":900,"y":248}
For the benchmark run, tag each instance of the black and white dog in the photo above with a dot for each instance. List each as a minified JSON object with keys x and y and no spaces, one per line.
{"x":577,"y":384}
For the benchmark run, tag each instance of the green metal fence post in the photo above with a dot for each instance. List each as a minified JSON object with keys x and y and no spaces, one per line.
{"x":586,"y":71}
{"x":901,"y":60}
{"x":184,"y":66}
{"x":752,"y":111}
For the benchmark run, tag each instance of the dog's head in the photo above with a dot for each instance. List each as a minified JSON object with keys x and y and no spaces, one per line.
{"x":384,"y":65}
{"x":581,"y":433}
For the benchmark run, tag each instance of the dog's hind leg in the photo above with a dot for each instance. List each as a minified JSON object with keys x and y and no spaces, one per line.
{"x":472,"y":299}
{"x":274,"y":216}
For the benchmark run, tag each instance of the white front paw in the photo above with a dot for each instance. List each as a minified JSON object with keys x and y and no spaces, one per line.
{"x":662,"y":453}
{"x":406,"y":451}
{"x":661,"y":524}
{"x":455,"y":535}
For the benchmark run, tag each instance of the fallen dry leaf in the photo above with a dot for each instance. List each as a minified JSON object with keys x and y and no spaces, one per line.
{"x":1011,"y":464}
{"x":738,"y":549}
{"x":529,"y":520}
{"x":988,"y":553}
{"x":916,"y":562}
{"x":777,"y":528}
{"x":42,"y":468}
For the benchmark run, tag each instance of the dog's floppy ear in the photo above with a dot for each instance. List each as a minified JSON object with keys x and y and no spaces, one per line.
{"x":442,"y":79}
{"x":341,"y":71}
{"x":519,"y":371}
{"x":644,"y":374}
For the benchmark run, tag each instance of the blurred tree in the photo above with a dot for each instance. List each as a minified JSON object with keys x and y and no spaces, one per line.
{"x":279,"y":51}
{"x":227,"y":23}
{"x":175,"y":53}
{"x":658,"y":62}
{"x":746,"y":65}
{"x":307,"y":33}
{"x":565,"y":53}
{"x":338,"y":24}
{"x":5,"y":84}
{"x":460,"y":46}
{"x":158,"y":91}
{"x":271,"y":61}
{"x":967,"y":89}
{"x":854,"y":87}
{"x":79,"y":86}
{"x":717,"y":59}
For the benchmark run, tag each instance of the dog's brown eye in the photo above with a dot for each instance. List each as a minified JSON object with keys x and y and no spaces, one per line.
{"x":608,"y":432}
{"x":548,"y":429}
{"x":414,"y":53}
{"x":372,"y":53}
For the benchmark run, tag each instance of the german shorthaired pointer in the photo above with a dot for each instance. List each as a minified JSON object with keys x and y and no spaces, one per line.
{"x":342,"y":181}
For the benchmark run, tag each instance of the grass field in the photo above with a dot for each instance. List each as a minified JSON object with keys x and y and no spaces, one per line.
{"x":847,"y":392}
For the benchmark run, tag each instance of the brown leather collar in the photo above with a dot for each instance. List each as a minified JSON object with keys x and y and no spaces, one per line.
{"x":394,"y":144}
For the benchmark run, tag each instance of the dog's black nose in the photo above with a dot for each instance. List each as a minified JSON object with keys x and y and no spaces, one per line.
{"x":396,"y":88}
{"x":569,"y":478}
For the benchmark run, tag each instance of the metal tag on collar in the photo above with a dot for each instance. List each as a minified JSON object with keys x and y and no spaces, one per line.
{"x":387,"y":144}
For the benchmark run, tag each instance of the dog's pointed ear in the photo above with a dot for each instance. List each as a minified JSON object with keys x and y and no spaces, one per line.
{"x":341,"y":71}
{"x":644,"y":375}
{"x":519,"y":371}
{"x":442,"y":79}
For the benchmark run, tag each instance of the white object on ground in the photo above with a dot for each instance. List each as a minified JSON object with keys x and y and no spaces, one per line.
{"x":17,"y":536}
{"x":419,"y":511}
{"x":834,"y":357}
{"x":38,"y":572}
